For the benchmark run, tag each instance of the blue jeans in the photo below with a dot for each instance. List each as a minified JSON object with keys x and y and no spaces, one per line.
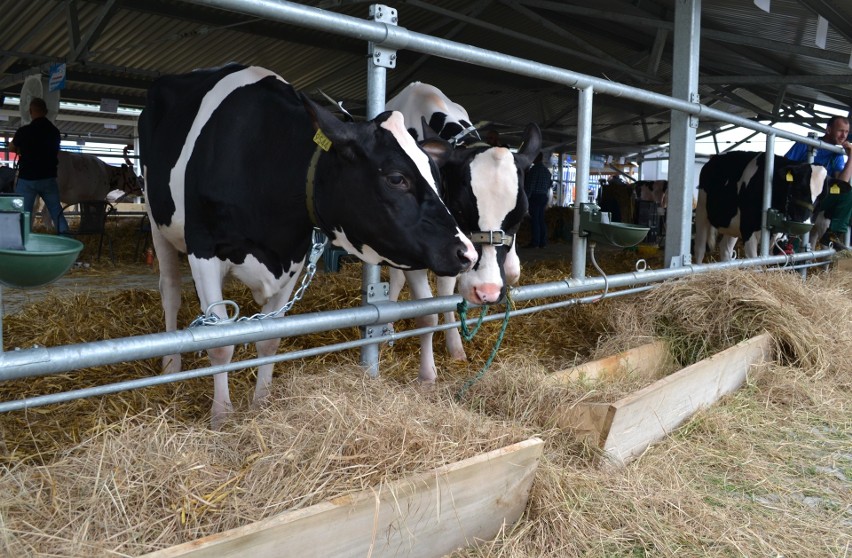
{"x":48,"y":189}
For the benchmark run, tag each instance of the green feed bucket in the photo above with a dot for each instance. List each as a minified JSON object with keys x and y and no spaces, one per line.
{"x":44,"y":259}
{"x":623,"y":235}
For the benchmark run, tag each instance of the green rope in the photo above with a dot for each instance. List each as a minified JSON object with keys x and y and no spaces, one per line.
{"x":462,"y":308}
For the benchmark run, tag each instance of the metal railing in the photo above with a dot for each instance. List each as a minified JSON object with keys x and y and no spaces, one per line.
{"x":42,"y":361}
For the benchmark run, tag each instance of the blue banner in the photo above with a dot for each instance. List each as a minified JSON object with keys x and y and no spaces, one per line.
{"x":57,"y":77}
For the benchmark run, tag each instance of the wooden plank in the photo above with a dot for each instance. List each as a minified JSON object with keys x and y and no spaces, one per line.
{"x":589,"y":422}
{"x":651,"y":413}
{"x":645,"y":360}
{"x":428,"y":515}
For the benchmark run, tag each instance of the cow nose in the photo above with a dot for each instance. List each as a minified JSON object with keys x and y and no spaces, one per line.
{"x":487,"y":293}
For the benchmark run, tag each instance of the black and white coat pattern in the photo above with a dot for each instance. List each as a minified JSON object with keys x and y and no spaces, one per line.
{"x":483,"y":188}
{"x":730,"y":199}
{"x":229,"y":161}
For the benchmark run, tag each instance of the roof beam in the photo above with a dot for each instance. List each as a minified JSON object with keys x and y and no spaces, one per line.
{"x":81,"y":51}
{"x":828,"y":10}
{"x":531,"y":40}
{"x":774,"y":79}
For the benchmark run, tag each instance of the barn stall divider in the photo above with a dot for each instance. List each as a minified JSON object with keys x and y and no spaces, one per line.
{"x":384,"y":38}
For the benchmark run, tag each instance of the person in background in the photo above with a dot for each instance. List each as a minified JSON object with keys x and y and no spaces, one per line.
{"x":837,"y":203}
{"x":537,"y":184}
{"x":37,"y":146}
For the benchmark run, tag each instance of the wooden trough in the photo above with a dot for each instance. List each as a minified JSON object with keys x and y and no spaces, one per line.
{"x":625,"y":428}
{"x":426,"y":515}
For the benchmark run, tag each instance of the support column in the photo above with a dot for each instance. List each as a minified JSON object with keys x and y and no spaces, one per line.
{"x":378,"y":61}
{"x":687,"y":34}
{"x":768,"y":173}
{"x":584,"y":155}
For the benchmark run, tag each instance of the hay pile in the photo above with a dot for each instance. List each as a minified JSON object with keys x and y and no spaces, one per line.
{"x":766,"y":472}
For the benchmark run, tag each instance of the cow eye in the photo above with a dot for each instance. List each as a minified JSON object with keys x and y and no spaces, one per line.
{"x":397,"y":181}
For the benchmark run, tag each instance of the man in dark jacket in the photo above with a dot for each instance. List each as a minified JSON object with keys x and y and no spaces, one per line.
{"x":537,"y":184}
{"x":37,"y":146}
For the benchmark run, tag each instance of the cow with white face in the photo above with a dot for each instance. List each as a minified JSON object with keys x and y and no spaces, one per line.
{"x":239,"y":167}
{"x":730,"y":198}
{"x":483,"y":188}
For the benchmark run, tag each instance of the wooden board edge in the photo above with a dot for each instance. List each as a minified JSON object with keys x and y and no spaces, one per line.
{"x":656,"y":410}
{"x":451,"y":506}
{"x":644,"y":359}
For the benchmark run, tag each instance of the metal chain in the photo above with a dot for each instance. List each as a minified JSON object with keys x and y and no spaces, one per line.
{"x":208,"y":318}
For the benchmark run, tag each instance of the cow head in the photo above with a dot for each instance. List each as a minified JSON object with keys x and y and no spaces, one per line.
{"x":803,"y":183}
{"x":123,"y":178}
{"x":376,"y":196}
{"x":483,"y":188}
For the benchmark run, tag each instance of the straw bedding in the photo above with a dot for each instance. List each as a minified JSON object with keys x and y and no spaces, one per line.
{"x":765,"y":472}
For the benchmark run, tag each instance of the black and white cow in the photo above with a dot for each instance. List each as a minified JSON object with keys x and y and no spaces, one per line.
{"x":447,"y":118}
{"x":7,"y":179}
{"x":235,"y":180}
{"x":483,"y":188}
{"x":730,"y":198}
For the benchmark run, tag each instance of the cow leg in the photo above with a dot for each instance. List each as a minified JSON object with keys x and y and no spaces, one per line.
{"x":750,"y":245}
{"x":446,"y":286}
{"x":418,"y":282}
{"x":208,"y":276}
{"x":396,"y":281}
{"x":270,"y":346}
{"x":702,"y":227}
{"x":821,"y":224}
{"x":170,"y":286}
{"x":726,"y":247}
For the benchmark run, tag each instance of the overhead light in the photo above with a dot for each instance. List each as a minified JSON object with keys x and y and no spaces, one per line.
{"x":81,"y":107}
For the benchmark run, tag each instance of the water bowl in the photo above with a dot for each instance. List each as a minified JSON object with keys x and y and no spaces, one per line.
{"x":596,"y":224}
{"x":778,"y":224}
{"x":44,"y":259}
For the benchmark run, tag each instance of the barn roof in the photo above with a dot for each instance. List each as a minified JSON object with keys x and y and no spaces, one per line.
{"x":752,"y":63}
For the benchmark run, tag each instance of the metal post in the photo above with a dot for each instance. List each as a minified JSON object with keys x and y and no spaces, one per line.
{"x":379,"y":60}
{"x":768,"y":173}
{"x":584,"y":154}
{"x":687,"y":34}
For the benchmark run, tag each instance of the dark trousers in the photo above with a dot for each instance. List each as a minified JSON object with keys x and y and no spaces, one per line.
{"x":538,"y":203}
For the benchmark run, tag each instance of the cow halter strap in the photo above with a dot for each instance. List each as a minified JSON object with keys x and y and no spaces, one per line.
{"x":309,"y":186}
{"x":492,"y":238}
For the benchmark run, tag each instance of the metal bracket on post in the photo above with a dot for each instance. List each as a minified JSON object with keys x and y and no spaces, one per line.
{"x":383,"y":57}
{"x":693,"y":120}
{"x":377,"y":292}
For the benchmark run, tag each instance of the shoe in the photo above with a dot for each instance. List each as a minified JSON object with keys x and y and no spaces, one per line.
{"x":832,"y":239}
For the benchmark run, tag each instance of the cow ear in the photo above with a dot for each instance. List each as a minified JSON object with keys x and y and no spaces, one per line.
{"x":428,"y":132}
{"x":439,"y":150}
{"x":335,"y":130}
{"x":530,"y":146}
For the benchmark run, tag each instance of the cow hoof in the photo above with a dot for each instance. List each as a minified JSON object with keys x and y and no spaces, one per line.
{"x":458,"y":355}
{"x":219,"y":414}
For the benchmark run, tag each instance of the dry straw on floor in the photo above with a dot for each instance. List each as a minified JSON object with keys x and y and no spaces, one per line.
{"x":767,"y":472}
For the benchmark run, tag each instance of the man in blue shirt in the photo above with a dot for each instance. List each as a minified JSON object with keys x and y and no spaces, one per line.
{"x":37,"y":146}
{"x":837,"y":203}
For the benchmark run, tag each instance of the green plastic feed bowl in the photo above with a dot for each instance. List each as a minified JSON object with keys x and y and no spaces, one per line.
{"x":795,"y":228}
{"x":44,"y":259}
{"x":623,"y":235}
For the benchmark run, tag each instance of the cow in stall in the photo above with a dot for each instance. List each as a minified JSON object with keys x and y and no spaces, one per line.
{"x":8,"y":176}
{"x":235,"y":180}
{"x":824,"y":212}
{"x":730,"y":198}
{"x":84,"y":177}
{"x":483,"y":188}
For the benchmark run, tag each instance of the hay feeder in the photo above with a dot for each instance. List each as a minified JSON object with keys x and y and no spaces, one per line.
{"x":624,"y":429}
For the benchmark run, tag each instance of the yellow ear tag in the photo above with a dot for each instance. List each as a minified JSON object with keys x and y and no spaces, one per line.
{"x":321,"y":140}
{"x":789,"y":175}
{"x":835,"y":189}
